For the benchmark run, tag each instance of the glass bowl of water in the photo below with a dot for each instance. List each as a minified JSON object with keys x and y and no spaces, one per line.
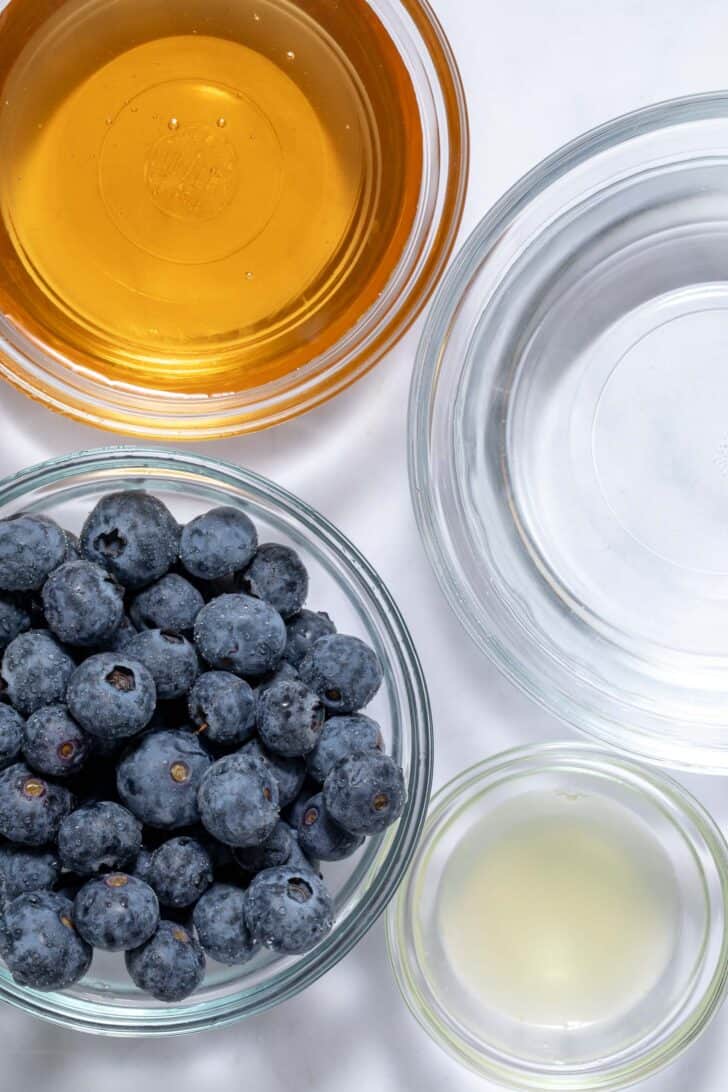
{"x":569,"y":448}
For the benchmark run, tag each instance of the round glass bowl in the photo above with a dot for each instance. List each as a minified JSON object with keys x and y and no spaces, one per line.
{"x":596,"y":949}
{"x":343,"y":583}
{"x":568,"y":443}
{"x":279,"y":357}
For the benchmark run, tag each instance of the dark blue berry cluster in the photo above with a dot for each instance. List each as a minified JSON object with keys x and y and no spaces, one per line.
{"x":181,"y":745}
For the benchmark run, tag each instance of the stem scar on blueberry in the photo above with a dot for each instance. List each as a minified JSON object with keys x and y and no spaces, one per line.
{"x":66,"y":750}
{"x":179,"y":772}
{"x":181,"y":935}
{"x":111,"y":543}
{"x":310,"y":816}
{"x":201,"y":728}
{"x":298,"y":889}
{"x":65,"y":920}
{"x":267,"y":793}
{"x":116,"y":879}
{"x":34,"y":788}
{"x":380,"y":801}
{"x":121,"y":678}
{"x":333,"y":694}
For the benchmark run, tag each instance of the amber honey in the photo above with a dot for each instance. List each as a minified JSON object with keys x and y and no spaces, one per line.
{"x":200,"y":196}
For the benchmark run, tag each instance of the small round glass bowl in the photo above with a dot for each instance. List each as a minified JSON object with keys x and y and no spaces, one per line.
{"x":642,"y":876}
{"x":568,"y":440}
{"x":70,"y":382}
{"x":343,"y":583}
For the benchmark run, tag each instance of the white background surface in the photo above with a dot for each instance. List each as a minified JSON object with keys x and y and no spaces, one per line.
{"x":537,"y":72}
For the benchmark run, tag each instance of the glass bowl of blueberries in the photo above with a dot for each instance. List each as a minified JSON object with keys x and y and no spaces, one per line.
{"x":215,"y":743}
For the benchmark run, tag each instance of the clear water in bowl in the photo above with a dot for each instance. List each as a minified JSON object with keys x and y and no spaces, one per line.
{"x":568,"y":434}
{"x":618,"y":438}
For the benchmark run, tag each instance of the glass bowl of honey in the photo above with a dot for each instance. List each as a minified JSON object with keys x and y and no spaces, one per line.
{"x":215,"y":215}
{"x":106,"y":1001}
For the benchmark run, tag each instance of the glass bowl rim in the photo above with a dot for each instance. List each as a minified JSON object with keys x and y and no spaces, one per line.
{"x":49,"y":378}
{"x":458,"y":792}
{"x":390,"y":865}
{"x":486,"y":625}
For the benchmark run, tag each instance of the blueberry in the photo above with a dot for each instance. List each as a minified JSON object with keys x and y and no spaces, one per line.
{"x":365,"y":793}
{"x":238,"y":800}
{"x":170,"y":659}
{"x":24,"y":869}
{"x":321,"y":838}
{"x":11,"y":735}
{"x":142,"y":864}
{"x":159,"y":779}
{"x":31,"y":808}
{"x":121,"y":638}
{"x":99,"y":837}
{"x":344,"y":672}
{"x":303,"y":631}
{"x":83,"y":603}
{"x":116,"y":912}
{"x":53,"y":743}
{"x":288,"y":773}
{"x":278,"y":576}
{"x":112,"y":695}
{"x":289,"y":910}
{"x":33,"y":604}
{"x":172,"y":604}
{"x":219,"y":918}
{"x":30,"y":549}
{"x":240,"y":634}
{"x":275,"y":850}
{"x":40,"y":944}
{"x":222,"y":707}
{"x":220,"y":855}
{"x":36,"y":671}
{"x":170,"y":966}
{"x":290,"y":719}
{"x":14,"y":620}
{"x":73,"y":546}
{"x":218,"y":543}
{"x":293,"y":814}
{"x":133,"y":535}
{"x":181,"y":869}
{"x":341,"y":737}
{"x":297,"y":858}
{"x":285,"y":672}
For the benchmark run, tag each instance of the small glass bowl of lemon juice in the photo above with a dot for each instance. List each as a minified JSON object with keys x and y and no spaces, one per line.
{"x":563,"y":925}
